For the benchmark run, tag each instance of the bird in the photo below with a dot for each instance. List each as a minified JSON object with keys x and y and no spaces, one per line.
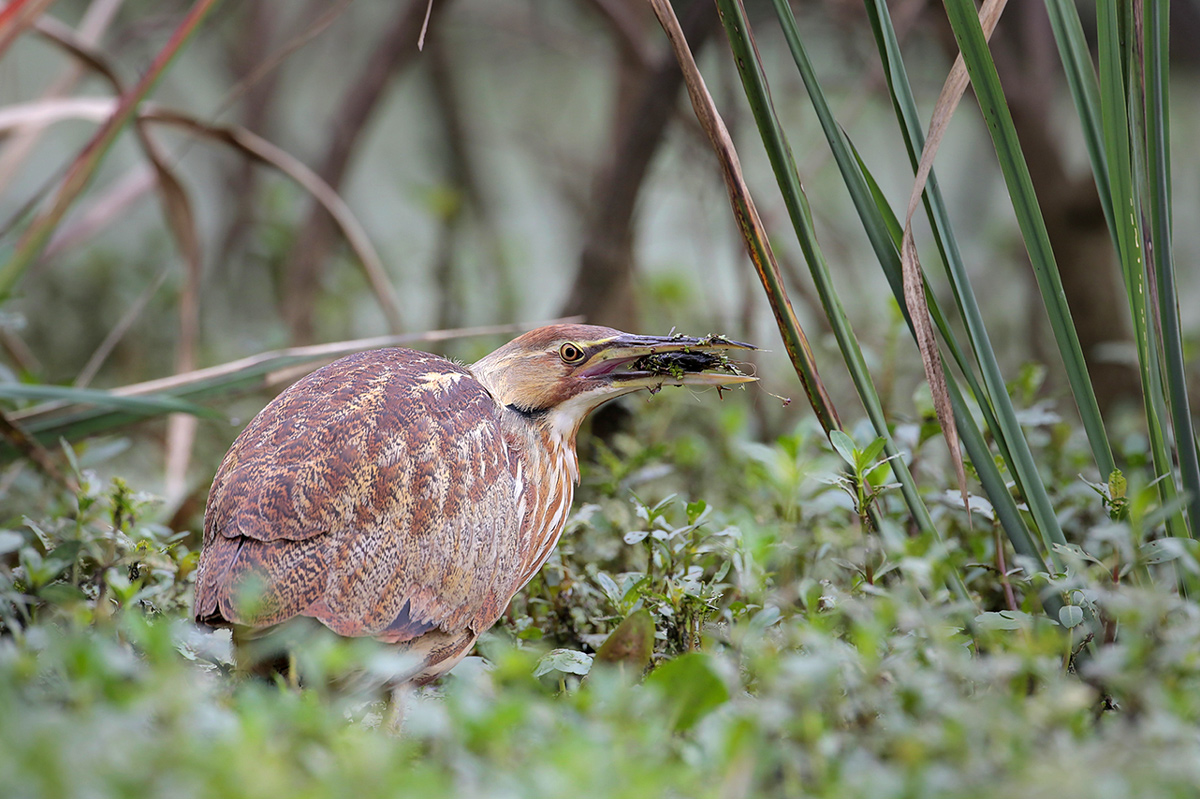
{"x":398,"y":495}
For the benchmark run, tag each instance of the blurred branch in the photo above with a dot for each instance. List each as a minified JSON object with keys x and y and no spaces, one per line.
{"x":306,"y":261}
{"x":468,"y":198}
{"x":603,"y":287}
{"x":88,"y":161}
{"x":16,"y":17}
{"x":19,"y":351}
{"x":119,"y":330}
{"x":21,"y":142}
{"x":111,"y":203}
{"x":259,"y":149}
{"x":257,"y":81}
{"x":628,"y":31}
{"x":32,"y":449}
{"x":254,"y":76}
{"x":325,"y":196}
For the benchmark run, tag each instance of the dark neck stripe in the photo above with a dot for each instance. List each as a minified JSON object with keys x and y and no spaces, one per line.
{"x":533,"y":414}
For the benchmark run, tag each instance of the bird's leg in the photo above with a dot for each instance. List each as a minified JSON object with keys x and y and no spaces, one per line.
{"x":293,"y":672}
{"x":397,"y":700}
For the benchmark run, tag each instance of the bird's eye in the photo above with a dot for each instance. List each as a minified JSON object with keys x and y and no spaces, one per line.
{"x":570,"y":353}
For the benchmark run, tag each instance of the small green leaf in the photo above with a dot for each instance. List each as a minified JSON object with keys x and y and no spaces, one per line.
{"x":1164,"y":550}
{"x":844,"y":445}
{"x":765,"y":618}
{"x":567,"y":661}
{"x":1070,"y":616}
{"x":65,"y":553}
{"x":631,"y":644}
{"x":10,"y":541}
{"x":1004,"y":620}
{"x":691,"y":688}
{"x":868,"y":455}
{"x":635,"y":536}
{"x":61,"y":594}
{"x":609,"y":586}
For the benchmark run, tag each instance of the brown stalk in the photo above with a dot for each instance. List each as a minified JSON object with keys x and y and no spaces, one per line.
{"x":22,"y":141}
{"x":914,"y":284}
{"x":749,"y":223}
{"x":314,"y":353}
{"x":29,"y":446}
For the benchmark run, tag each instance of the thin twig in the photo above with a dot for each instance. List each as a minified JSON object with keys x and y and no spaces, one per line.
{"x":118,"y":332}
{"x":28,"y":446}
{"x":424,"y":26}
{"x":180,"y":382}
{"x":21,"y":143}
{"x":272,"y":61}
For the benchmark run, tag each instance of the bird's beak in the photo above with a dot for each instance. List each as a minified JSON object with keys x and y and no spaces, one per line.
{"x":628,"y":361}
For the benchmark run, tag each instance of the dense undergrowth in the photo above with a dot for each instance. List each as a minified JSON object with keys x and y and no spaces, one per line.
{"x":795,"y":652}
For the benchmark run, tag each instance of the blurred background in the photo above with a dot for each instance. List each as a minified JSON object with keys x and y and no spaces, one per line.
{"x":534,"y":160}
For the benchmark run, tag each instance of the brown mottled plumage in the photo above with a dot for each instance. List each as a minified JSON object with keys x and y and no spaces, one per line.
{"x":397,"y":495}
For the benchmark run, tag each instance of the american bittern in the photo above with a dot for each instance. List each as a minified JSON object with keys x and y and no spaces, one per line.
{"x":398,"y":495}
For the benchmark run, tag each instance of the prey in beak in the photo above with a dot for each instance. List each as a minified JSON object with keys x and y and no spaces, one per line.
{"x":627,"y":362}
{"x":563,"y":372}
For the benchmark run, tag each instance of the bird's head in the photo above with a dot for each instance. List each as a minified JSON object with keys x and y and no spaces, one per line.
{"x":562,"y":372}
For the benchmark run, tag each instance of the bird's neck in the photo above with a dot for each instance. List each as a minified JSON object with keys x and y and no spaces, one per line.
{"x":547,"y":471}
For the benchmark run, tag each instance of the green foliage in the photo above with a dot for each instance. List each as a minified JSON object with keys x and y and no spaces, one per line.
{"x":96,"y":559}
{"x":723,"y":617}
{"x":778,"y":668}
{"x":1130,"y":159}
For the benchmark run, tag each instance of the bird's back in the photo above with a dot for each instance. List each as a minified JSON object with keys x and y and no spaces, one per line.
{"x":377,"y":495}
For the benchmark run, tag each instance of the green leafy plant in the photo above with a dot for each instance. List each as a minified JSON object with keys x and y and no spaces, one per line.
{"x":1124,"y":114}
{"x":91,"y":562}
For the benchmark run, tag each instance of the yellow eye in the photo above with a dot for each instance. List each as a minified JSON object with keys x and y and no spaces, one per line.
{"x":570,"y":353}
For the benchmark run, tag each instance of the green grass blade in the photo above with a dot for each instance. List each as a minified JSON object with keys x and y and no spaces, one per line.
{"x":749,"y":223}
{"x":1008,"y":433}
{"x":1085,"y":92}
{"x":758,"y":95}
{"x":883,"y":229}
{"x":88,"y":161}
{"x":990,"y":96}
{"x":989,"y":475}
{"x":143,"y":406}
{"x":73,"y":414}
{"x":1159,"y":174}
{"x":1116,"y":97}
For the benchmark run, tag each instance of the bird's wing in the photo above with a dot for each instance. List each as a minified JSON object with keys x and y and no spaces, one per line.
{"x":376,"y":495}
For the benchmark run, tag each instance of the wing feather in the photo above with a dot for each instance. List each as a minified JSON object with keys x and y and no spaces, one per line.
{"x":376,"y":495}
